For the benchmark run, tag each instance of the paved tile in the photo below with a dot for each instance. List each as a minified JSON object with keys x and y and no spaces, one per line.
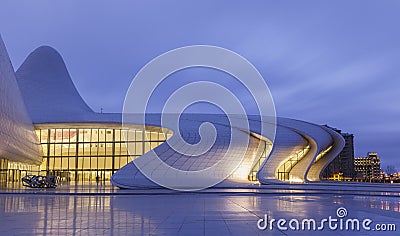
{"x":184,"y":213}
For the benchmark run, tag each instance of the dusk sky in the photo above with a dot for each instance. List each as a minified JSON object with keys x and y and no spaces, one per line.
{"x":327,"y":62}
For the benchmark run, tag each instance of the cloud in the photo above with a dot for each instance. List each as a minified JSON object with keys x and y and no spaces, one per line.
{"x":331,"y":62}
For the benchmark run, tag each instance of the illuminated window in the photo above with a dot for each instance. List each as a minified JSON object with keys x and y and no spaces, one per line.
{"x":86,"y":153}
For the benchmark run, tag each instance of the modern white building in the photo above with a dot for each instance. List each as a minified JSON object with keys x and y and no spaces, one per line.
{"x":47,"y":128}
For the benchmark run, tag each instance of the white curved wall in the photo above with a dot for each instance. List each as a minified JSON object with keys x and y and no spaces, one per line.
{"x":18,"y":141}
{"x":51,"y":97}
{"x":318,"y":167}
{"x":319,"y":140}
{"x":291,"y":136}
{"x":286,"y":143}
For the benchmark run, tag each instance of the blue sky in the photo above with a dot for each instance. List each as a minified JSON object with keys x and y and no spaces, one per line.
{"x":327,"y":62}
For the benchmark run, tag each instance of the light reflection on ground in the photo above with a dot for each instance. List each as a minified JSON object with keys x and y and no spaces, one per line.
{"x":172,"y":213}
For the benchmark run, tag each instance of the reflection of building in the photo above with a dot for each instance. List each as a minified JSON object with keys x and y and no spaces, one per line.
{"x":342,"y":167}
{"x":368,"y":168}
{"x":49,"y":129}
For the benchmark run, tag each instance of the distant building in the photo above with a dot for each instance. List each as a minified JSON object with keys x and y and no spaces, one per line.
{"x":368,"y":168}
{"x":342,"y":167}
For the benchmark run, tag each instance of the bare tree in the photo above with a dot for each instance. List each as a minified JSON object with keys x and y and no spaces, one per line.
{"x":390,"y":169}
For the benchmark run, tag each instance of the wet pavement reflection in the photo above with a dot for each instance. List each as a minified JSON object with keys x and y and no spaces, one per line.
{"x":173,"y":213}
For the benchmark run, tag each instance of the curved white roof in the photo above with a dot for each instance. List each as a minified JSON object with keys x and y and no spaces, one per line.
{"x":51,"y":97}
{"x":292,"y":136}
{"x":49,"y":93}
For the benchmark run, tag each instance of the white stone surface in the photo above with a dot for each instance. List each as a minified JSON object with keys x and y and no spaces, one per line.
{"x":18,"y":141}
{"x":291,"y":136}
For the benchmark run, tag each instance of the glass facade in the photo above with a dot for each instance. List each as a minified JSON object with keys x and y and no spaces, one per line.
{"x":93,"y":154}
{"x":266,"y":147}
{"x":11,"y":171}
{"x":283,"y":171}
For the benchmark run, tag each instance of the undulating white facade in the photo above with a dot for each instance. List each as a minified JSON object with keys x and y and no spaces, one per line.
{"x":18,"y":141}
{"x":299,"y":152}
